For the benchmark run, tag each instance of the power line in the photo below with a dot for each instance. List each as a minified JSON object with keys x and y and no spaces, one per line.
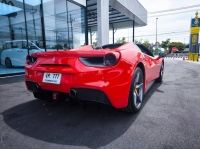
{"x":166,"y":33}
{"x":174,"y":13}
{"x":175,"y":9}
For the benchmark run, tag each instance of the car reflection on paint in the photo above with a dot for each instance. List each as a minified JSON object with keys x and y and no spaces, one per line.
{"x":14,"y":52}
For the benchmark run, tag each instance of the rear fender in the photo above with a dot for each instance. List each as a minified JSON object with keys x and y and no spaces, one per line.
{"x":138,"y":64}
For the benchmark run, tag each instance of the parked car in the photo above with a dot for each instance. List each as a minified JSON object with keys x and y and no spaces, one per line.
{"x":117,"y":74}
{"x":14,"y":52}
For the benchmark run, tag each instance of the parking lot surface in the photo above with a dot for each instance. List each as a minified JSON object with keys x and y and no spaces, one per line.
{"x":170,"y":117}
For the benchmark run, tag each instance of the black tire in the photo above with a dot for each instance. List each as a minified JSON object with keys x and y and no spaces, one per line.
{"x":136,"y":100}
{"x":160,"y":78}
{"x":8,"y":63}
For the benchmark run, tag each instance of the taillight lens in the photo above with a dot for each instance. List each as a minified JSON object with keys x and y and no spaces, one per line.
{"x":30,"y":59}
{"x":110,"y":60}
{"x":100,"y":61}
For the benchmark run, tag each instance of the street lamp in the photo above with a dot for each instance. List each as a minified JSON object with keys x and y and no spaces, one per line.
{"x":156,"y":33}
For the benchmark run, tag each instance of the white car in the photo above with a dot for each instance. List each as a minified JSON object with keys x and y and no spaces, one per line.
{"x":14,"y":52}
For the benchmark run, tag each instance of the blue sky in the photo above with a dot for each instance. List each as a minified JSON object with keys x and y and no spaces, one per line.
{"x":170,"y":23}
{"x":166,"y":24}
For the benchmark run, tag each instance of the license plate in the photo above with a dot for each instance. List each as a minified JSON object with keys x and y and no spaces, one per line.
{"x":53,"y":78}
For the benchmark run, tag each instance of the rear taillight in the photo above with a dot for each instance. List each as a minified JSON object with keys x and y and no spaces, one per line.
{"x":110,"y":60}
{"x":100,"y":61}
{"x":30,"y":59}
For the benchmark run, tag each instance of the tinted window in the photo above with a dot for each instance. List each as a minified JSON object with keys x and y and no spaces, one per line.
{"x":145,"y":50}
{"x":112,"y":46}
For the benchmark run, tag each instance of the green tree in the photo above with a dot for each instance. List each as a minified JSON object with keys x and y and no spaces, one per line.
{"x":165,"y":44}
{"x":147,"y":44}
{"x":121,"y":40}
{"x":58,"y":46}
{"x":179,"y":45}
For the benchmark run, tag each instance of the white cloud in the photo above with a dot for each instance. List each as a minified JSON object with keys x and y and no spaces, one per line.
{"x":155,"y":5}
{"x":179,"y":22}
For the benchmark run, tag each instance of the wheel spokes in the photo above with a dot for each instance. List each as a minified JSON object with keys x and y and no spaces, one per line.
{"x":138,"y":92}
{"x":138,"y":99}
{"x":139,"y":86}
{"x":137,"y":78}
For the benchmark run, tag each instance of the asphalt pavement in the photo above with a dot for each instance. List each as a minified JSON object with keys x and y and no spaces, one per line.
{"x":170,"y":117}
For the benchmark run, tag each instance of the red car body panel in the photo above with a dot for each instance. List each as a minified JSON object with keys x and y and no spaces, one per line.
{"x":114,"y":81}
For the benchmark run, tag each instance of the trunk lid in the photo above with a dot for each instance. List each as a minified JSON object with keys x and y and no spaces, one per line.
{"x":72,"y":53}
{"x":67,"y":58}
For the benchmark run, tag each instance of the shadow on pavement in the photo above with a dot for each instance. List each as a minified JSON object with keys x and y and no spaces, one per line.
{"x":93,"y":126}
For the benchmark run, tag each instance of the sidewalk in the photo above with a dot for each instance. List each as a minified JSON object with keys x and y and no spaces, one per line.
{"x":181,"y":59}
{"x":195,"y":62}
{"x":10,"y":71}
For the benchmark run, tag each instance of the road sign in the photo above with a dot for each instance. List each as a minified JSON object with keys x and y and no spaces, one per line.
{"x":195,"y":22}
{"x":194,"y":38}
{"x":195,"y":30}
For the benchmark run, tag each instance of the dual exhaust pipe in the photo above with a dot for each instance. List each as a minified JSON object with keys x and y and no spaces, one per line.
{"x":73,"y":93}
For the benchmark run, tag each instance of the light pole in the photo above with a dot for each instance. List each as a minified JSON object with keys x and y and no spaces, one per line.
{"x":156,"y":33}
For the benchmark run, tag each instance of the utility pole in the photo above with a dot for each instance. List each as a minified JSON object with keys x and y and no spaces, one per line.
{"x":156,"y":33}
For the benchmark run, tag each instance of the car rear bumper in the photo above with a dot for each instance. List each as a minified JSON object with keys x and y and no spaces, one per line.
{"x":108,"y":86}
{"x":83,"y":94}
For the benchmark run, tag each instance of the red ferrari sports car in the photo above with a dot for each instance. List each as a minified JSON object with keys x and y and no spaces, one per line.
{"x":115,"y":74}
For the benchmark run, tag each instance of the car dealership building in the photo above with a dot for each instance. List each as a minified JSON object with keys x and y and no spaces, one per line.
{"x":63,"y":24}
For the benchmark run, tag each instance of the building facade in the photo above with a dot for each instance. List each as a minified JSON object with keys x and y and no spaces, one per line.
{"x":48,"y":23}
{"x":64,"y":24}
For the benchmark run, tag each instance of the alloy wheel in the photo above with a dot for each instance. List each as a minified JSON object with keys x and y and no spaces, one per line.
{"x":138,"y":91}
